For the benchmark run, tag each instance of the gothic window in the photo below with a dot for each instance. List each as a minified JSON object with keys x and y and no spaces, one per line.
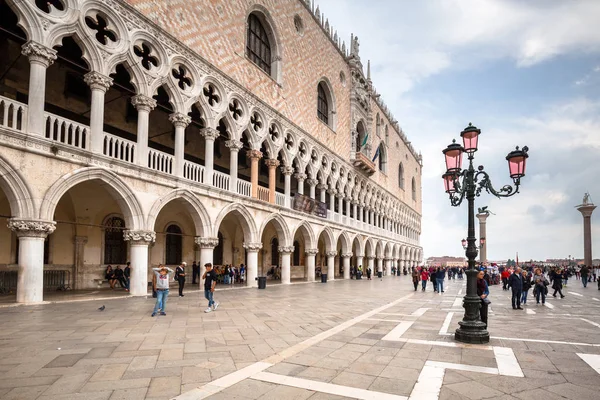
{"x":322,"y":105}
{"x":275,"y":252}
{"x":115,"y":248}
{"x":173,"y":245}
{"x":382,"y":158}
{"x":401,"y":176}
{"x":414,"y":189}
{"x":258,"y":47}
{"x":218,"y":251}
{"x":296,"y":260}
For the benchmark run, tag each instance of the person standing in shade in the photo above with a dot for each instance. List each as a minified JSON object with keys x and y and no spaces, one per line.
{"x":210,"y":281}
{"x":162,"y":288}
{"x":127,"y":274}
{"x":180,"y":277}
{"x":483,"y":293}
{"x":515,"y":283}
{"x":195,"y":272}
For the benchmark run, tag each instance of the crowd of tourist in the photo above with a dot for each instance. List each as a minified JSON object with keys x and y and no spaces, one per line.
{"x":118,"y":275}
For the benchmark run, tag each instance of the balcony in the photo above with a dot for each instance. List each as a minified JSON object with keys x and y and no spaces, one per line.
{"x":362,"y":162}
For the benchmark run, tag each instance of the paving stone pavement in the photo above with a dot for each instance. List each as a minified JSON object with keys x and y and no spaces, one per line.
{"x":345,"y":339}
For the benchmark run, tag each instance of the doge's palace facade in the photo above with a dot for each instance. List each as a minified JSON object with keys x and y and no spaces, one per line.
{"x":219,"y":131}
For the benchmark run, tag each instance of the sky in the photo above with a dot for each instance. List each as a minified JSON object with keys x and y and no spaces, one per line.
{"x":526,"y":72}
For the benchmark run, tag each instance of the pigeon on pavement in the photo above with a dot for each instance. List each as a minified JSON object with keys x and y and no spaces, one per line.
{"x":102,"y":308}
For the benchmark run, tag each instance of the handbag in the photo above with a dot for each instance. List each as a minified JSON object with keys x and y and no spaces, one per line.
{"x":486,"y":301}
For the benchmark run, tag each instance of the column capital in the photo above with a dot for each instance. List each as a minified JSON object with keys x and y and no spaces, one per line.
{"x":39,"y":53}
{"x":139,"y":237}
{"x":209,"y":133}
{"x":300,"y":176}
{"x":143,"y":103}
{"x":312,"y":252}
{"x":206,"y":242}
{"x":370,"y":257}
{"x":331,"y":191}
{"x":234,"y":145}
{"x":81,"y":240}
{"x":286,"y":249}
{"x":272,"y":162}
{"x":312,"y":182}
{"x":346,"y":255}
{"x":252,"y":247}
{"x":31,"y":227}
{"x":287,"y":171}
{"x":331,"y":253}
{"x":254,"y":154}
{"x":97,"y":81}
{"x":322,"y":186}
{"x":180,"y":119}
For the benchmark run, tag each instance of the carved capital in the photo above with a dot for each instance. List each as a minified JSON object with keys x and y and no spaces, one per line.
{"x":81,"y":240}
{"x":312,"y":182}
{"x":209,"y":133}
{"x":180,"y":120}
{"x":300,"y":176}
{"x":254,"y":154}
{"x":331,"y":191}
{"x":143,"y":103}
{"x":286,"y":249}
{"x":39,"y":53}
{"x":346,"y":255}
{"x":139,"y":236}
{"x":272,"y":163}
{"x":312,"y":252}
{"x":331,"y":253}
{"x":97,"y":81}
{"x":288,"y":171}
{"x":234,"y":145}
{"x":31,"y":227}
{"x":253,"y":247}
{"x":206,"y":242}
{"x":322,"y":186}
{"x":370,"y":257}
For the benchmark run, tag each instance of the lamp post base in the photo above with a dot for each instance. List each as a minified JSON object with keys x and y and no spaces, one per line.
{"x":476,"y":334}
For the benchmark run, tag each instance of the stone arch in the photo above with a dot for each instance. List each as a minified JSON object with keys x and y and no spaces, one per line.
{"x":245,"y":218}
{"x":360,"y":246}
{"x":191,"y":203}
{"x":388,"y":250}
{"x":123,"y":195}
{"x":283,"y":231}
{"x":369,"y":248}
{"x":308,"y":234}
{"x":328,"y":238}
{"x":17,"y":191}
{"x":379,"y":249}
{"x":346,"y":242}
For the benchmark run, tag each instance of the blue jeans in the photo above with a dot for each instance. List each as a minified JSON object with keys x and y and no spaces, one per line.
{"x":424,"y":282}
{"x":524,"y":296}
{"x":540,"y":292}
{"x":161,"y":300}
{"x":584,"y":280}
{"x":208,"y":295}
{"x":440,"y":285}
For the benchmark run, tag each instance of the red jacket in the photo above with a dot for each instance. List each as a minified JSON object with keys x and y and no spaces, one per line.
{"x":424,"y":275}
{"x":505,"y":274}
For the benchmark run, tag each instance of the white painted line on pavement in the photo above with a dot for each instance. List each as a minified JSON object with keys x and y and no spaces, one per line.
{"x":593,"y":360}
{"x":446,"y":323}
{"x":550,"y":306}
{"x":545,"y":341}
{"x":323,"y":387}
{"x":507,"y":362}
{"x":398,"y":331}
{"x":575,"y":294}
{"x":419,"y":312}
{"x":383,"y":320}
{"x":590,"y":322}
{"x":457,"y":302}
{"x":428,"y":384}
{"x":595,"y":299}
{"x":463,"y":367}
{"x":446,"y":344}
{"x":529,"y":311}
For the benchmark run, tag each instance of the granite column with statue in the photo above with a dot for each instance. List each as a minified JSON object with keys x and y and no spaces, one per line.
{"x":586,"y":209}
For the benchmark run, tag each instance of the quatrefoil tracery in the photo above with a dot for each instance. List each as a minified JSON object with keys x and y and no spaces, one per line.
{"x":145,"y":53}
{"x":181,"y":76}
{"x":100,"y":25}
{"x":211,"y":94}
{"x":256,"y":121}
{"x":46,"y":5}
{"x":274,"y":133}
{"x":235,"y":109}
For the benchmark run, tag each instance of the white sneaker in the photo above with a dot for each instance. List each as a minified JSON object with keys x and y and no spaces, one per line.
{"x":208,"y":310}
{"x":215,"y":306}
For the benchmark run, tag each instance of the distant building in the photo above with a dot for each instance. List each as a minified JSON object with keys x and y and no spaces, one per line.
{"x":446,"y":261}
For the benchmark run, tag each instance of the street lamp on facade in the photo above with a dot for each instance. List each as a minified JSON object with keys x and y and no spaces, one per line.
{"x":460,"y":183}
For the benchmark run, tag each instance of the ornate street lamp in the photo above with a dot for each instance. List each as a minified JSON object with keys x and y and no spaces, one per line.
{"x":481,"y":243}
{"x":469,"y":183}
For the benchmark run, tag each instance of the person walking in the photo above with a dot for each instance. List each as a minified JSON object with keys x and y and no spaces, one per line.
{"x":505,"y":275}
{"x":180,"y":277}
{"x":483,"y":292}
{"x":539,"y":288}
{"x":526,"y":287}
{"x":556,"y":278}
{"x":584,"y":275}
{"x":415,"y":277}
{"x":424,"y":278}
{"x":439,"y":279}
{"x":195,"y":272}
{"x":162,"y":288}
{"x":433,"y":277}
{"x":515,"y":283}
{"x":210,"y":281}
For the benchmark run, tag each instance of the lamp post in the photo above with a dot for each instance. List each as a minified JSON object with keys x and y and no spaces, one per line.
{"x":468,"y":183}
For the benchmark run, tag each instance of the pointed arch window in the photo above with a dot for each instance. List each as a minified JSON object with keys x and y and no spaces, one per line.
{"x":258,"y":47}
{"x":115,"y":248}
{"x":323,"y":104}
{"x":382,"y":158}
{"x":174,"y":244}
{"x":414,"y":189}
{"x":401,"y":176}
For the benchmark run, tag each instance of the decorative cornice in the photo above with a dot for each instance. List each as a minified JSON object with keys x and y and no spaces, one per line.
{"x":180,"y":119}
{"x":31,"y":227}
{"x":39,"y":53}
{"x":143,"y":103}
{"x":286,"y":249}
{"x":210,"y":133}
{"x":252,"y":246}
{"x":272,"y":163}
{"x":139,"y":236}
{"x":312,"y":252}
{"x":234,"y":145}
{"x":206,"y":242}
{"x":97,"y":81}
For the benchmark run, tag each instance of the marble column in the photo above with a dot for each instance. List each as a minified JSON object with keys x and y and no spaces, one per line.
{"x":234,"y":147}
{"x":138,"y":251}
{"x":371,"y":264}
{"x":40,"y":58}
{"x":286,"y":273}
{"x":312,"y":184}
{"x":388,"y":266}
{"x":348,"y":206}
{"x":340,"y":198}
{"x":181,"y":121}
{"x":210,"y":135}
{"x":252,"y":250}
{"x":482,"y":217}
{"x":206,"y":245}
{"x":331,"y":265}
{"x":300,"y":178}
{"x":379,"y":264}
{"x":143,"y":105}
{"x":359,"y":262}
{"x":76,"y":280}
{"x":99,"y":84}
{"x":31,"y":235}
{"x":322,"y":191}
{"x":346,"y":264}
{"x":254,"y":156}
{"x":287,"y":175}
{"x":355,"y":209}
{"x":310,"y":264}
{"x":586,"y":209}
{"x":332,"y":193}
{"x":360,"y":214}
{"x":272,"y":164}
